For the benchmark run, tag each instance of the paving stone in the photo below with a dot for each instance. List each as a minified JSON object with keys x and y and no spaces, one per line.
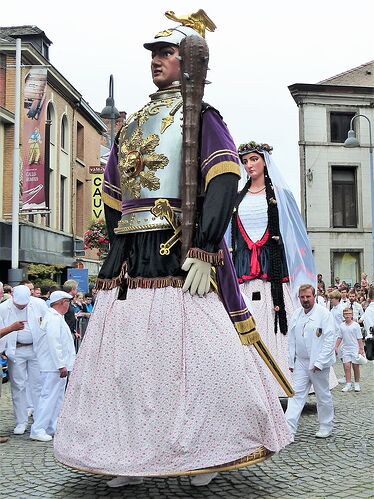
{"x":310,"y":468}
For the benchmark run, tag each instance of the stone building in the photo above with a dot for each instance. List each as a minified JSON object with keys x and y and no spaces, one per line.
{"x":71,"y":143}
{"x":336,"y":181}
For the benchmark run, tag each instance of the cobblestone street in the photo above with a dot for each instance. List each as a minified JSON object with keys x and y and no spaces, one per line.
{"x":338,"y":467}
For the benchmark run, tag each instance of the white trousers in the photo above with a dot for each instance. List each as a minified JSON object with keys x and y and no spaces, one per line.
{"x":24,"y":367}
{"x":303,"y":378}
{"x":51,"y":397}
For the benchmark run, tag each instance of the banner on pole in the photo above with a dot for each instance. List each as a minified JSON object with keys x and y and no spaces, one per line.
{"x":97,"y":202}
{"x":33,"y":141}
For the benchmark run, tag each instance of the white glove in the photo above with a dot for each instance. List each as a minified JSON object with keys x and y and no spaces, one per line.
{"x":198,"y":277}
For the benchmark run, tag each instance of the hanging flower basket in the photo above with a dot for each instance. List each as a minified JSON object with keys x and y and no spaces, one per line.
{"x":96,"y":237}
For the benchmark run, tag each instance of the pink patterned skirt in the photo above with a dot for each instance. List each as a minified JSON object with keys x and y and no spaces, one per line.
{"x":162,"y":385}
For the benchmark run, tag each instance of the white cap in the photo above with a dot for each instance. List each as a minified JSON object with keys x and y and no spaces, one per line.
{"x":172,"y":36}
{"x":57,"y":296}
{"x":21,"y":295}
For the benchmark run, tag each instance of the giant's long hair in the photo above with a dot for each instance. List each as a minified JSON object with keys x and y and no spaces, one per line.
{"x":275,"y":252}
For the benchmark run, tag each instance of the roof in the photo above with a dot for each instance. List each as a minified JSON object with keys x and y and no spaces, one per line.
{"x":9,"y":33}
{"x":360,"y":76}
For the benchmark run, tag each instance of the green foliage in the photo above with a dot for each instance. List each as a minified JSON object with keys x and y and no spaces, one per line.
{"x":39,"y":271}
{"x":38,"y":283}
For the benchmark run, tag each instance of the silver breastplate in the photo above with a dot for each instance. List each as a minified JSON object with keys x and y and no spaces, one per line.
{"x":149,"y":161}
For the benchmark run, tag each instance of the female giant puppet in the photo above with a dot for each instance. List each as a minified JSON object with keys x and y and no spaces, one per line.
{"x":270,"y":248}
{"x":178,"y":392}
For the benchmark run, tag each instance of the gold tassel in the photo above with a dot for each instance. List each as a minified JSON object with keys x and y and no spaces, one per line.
{"x":108,"y":284}
{"x":155,"y":282}
{"x":204,"y":256}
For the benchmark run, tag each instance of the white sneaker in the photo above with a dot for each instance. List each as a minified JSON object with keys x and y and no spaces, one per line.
{"x":347,"y":388}
{"x":30,"y":412}
{"x":122,"y":481}
{"x":41,"y":437}
{"x":357,"y":387}
{"x":20,"y":429}
{"x":323,"y":433}
{"x":341,"y":381}
{"x":203,"y":479}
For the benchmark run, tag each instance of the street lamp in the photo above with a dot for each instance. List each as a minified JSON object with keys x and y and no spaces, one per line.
{"x":352,"y":141}
{"x":110,"y":112}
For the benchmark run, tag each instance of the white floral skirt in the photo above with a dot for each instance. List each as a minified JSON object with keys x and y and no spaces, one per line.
{"x":263,"y":313}
{"x":162,"y":385}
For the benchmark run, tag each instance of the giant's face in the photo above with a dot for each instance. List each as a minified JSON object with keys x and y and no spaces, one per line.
{"x":165,"y":65}
{"x":254,"y":165}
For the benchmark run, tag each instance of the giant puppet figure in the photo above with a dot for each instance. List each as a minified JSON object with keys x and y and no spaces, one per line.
{"x":270,"y":248}
{"x":181,"y":389}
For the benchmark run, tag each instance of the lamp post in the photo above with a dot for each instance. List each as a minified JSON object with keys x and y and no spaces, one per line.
{"x":110,"y":112}
{"x":15,"y":274}
{"x":352,"y":141}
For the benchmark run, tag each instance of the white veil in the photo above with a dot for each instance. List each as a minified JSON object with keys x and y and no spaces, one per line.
{"x":299,"y":256}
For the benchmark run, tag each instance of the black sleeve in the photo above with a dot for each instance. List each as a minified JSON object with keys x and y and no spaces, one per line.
{"x":112,"y":217}
{"x":70,"y":319}
{"x":216,"y":212}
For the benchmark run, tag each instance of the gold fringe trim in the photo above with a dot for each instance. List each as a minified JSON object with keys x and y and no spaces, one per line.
{"x":107,"y":284}
{"x":111,"y":202}
{"x":220,"y":168}
{"x":245,"y":326}
{"x":249,"y":338}
{"x":155,"y":282}
{"x":204,"y":256}
{"x":259,"y":455}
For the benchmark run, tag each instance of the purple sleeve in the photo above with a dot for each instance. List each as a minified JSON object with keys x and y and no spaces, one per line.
{"x":218,"y":153}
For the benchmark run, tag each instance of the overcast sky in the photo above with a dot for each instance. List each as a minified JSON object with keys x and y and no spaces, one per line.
{"x":257,"y":51}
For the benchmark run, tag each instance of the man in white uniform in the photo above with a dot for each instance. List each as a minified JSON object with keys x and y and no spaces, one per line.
{"x":368,"y":318}
{"x":19,"y":348}
{"x":16,"y":326}
{"x":356,"y":308}
{"x":311,"y":342}
{"x":56,"y":355}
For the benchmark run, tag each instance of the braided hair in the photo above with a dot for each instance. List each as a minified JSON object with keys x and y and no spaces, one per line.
{"x":275,"y":249}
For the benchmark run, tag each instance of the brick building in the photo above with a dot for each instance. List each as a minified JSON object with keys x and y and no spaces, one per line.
{"x":73,"y":135}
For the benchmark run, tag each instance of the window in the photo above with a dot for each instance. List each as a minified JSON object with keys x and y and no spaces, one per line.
{"x":80,"y":141}
{"x":344,"y":196}
{"x":50,"y":201}
{"x":346,"y":265}
{"x":62,"y":202}
{"x":64,"y":131}
{"x":79,"y":210}
{"x":339,"y":126}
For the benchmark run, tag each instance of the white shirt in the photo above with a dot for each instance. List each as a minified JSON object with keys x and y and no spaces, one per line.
{"x":312,"y":333}
{"x":368,"y":319}
{"x":357,"y":309}
{"x":349,"y":334}
{"x":302,"y":348}
{"x":9,"y":314}
{"x":55,"y":345}
{"x":253,"y":213}
{"x":337,"y":314}
{"x":321,"y":301}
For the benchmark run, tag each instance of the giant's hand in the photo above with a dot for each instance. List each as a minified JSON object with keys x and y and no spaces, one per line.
{"x":198,"y":277}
